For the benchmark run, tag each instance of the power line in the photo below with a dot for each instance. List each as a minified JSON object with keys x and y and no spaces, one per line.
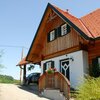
{"x":13,"y":46}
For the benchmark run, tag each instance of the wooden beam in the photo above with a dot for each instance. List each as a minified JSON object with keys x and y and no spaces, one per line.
{"x":55,"y":54}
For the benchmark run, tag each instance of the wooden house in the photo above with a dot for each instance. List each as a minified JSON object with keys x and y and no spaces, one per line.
{"x":67,"y":43}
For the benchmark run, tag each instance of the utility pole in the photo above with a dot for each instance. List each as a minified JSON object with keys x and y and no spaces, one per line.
{"x":21,"y":80}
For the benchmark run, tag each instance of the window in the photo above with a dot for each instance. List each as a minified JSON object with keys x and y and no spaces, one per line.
{"x":63,"y":29}
{"x":58,"y":32}
{"x":48,"y":64}
{"x":95,"y":69}
{"x":52,"y":35}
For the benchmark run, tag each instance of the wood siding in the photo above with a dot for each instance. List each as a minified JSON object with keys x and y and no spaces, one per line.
{"x":94,"y":50}
{"x":61,"y":43}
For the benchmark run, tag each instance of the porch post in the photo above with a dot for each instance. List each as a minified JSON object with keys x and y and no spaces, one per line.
{"x":24,"y":74}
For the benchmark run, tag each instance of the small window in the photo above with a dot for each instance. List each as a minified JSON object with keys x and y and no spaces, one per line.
{"x":48,"y":64}
{"x":52,"y":35}
{"x":63,"y":29}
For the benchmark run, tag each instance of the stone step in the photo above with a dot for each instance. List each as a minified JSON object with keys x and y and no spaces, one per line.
{"x":53,"y":94}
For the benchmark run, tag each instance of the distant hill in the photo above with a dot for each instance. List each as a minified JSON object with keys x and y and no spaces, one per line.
{"x":7,"y":79}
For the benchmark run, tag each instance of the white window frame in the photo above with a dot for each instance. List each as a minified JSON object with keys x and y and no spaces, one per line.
{"x":48,"y":65}
{"x":52,"y":35}
{"x":64,"y":29}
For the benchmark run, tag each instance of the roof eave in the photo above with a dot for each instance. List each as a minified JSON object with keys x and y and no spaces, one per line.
{"x":37,"y":32}
{"x":74,"y":26}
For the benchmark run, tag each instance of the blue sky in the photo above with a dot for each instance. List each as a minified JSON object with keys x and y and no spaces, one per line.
{"x":19,"y":20}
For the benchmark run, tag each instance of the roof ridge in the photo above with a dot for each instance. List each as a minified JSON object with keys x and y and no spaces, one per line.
{"x":86,"y":28}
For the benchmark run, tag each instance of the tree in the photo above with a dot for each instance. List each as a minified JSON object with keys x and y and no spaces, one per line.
{"x":1,"y":66}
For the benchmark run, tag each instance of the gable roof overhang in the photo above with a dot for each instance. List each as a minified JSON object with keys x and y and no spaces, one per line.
{"x":71,"y":20}
{"x":23,"y":62}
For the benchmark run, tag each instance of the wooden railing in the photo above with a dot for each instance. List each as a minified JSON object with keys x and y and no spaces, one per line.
{"x":55,"y":81}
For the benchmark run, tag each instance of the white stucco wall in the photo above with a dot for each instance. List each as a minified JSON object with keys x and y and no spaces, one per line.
{"x":78,"y":67}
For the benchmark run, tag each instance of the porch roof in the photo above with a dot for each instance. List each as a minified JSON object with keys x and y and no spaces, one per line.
{"x":22,"y":62}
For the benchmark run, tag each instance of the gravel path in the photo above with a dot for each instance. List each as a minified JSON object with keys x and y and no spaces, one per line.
{"x":15,"y":92}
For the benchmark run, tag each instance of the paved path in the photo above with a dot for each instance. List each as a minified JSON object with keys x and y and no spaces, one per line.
{"x":15,"y":92}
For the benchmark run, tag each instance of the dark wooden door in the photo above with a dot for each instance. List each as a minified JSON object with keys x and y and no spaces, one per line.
{"x":65,"y":67}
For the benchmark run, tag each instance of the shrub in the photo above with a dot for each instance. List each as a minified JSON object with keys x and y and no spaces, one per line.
{"x":89,"y":90}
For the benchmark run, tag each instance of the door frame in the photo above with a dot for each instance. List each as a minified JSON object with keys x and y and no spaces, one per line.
{"x":69,"y":67}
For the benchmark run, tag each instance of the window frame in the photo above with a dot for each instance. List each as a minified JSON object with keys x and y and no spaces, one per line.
{"x":48,"y":63}
{"x":62,"y":29}
{"x":52,"y":35}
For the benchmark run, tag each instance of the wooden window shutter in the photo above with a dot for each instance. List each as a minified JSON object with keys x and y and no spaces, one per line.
{"x":48,"y":37}
{"x":59,"y":31}
{"x":68,"y":28}
{"x":52,"y":64}
{"x":95,"y":67}
{"x":44,"y":67}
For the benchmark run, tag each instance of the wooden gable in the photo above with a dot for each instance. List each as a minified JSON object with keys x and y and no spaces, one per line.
{"x":63,"y":44}
{"x":41,"y":49}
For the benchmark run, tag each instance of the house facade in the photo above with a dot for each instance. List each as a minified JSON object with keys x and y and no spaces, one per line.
{"x":66,"y":43}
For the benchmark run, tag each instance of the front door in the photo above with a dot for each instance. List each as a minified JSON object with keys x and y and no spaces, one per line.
{"x":64,"y":67}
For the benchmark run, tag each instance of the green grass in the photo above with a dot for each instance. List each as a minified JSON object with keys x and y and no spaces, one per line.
{"x":89,"y":90}
{"x":8,"y":79}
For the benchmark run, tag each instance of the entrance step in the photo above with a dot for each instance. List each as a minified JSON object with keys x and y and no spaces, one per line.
{"x":53,"y":94}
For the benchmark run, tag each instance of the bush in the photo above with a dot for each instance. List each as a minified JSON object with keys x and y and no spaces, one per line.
{"x":89,"y":90}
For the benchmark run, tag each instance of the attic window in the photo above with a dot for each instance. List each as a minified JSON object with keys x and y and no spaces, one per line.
{"x":63,"y":29}
{"x":51,"y":35}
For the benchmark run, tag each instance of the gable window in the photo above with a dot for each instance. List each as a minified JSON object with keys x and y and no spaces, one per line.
{"x":52,"y":35}
{"x":63,"y":29}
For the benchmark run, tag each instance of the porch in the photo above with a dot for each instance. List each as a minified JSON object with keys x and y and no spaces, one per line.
{"x":53,"y":83}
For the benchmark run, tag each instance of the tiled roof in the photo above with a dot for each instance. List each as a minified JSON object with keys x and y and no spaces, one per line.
{"x":92,"y":23}
{"x":75,"y":21}
{"x":22,"y":62}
